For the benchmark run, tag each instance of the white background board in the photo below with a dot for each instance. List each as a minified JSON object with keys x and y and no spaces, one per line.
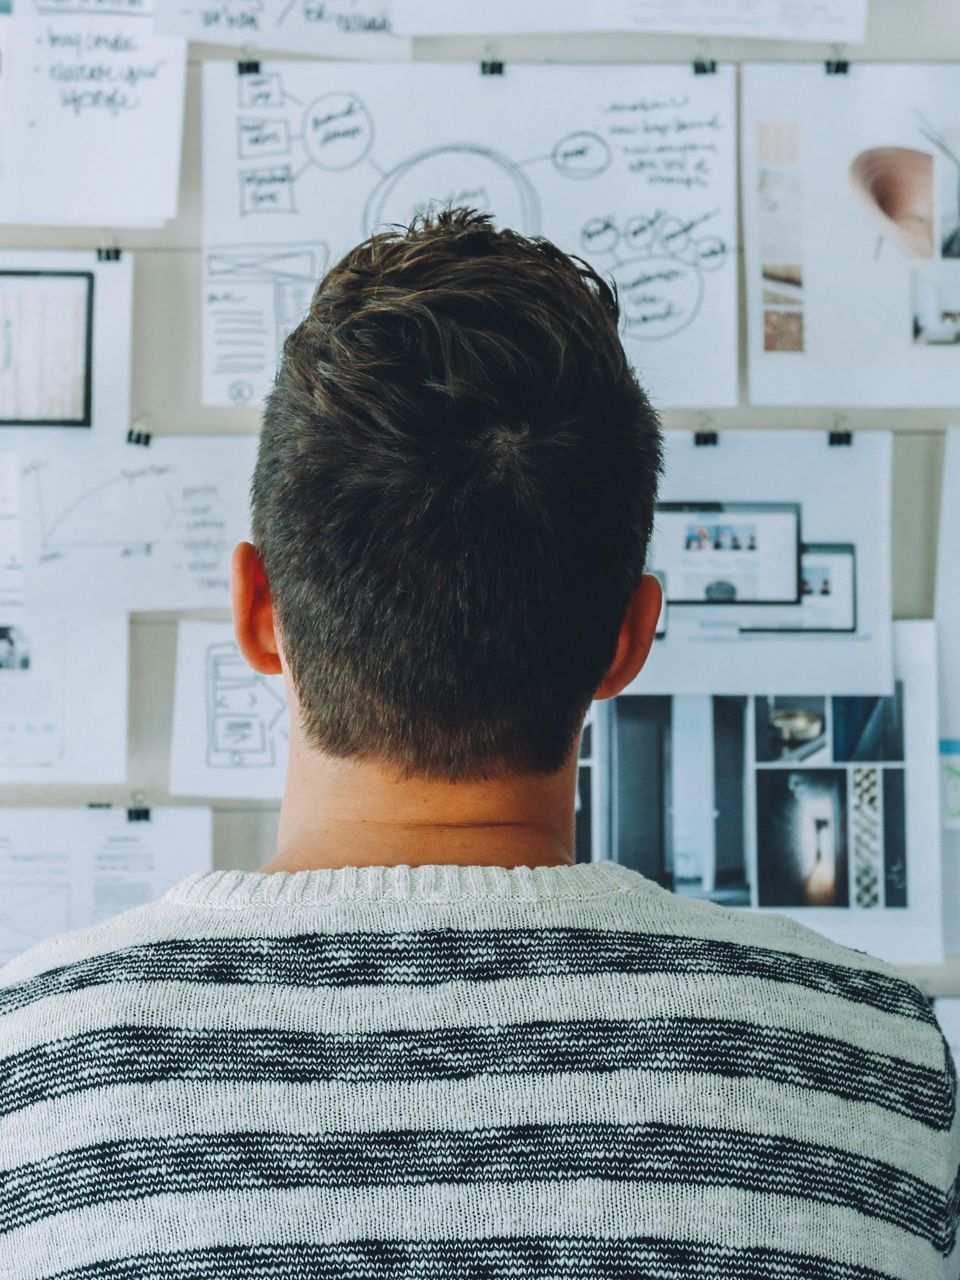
{"x":166,"y":388}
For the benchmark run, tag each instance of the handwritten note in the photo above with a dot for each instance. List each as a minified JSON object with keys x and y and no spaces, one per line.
{"x":332,"y":28}
{"x":135,"y":528}
{"x":98,"y":96}
{"x":633,"y":170}
{"x":831,"y":20}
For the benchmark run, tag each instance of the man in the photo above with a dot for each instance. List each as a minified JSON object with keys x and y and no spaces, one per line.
{"x":422,"y":1041}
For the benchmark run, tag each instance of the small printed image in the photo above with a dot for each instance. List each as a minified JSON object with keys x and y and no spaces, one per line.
{"x":721,"y":537}
{"x":817,"y":580}
{"x":583,"y":828}
{"x":866,"y":838}
{"x":946,"y":143}
{"x":935,"y":294}
{"x":894,"y":838}
{"x":789,"y":729}
{"x":777,"y":298}
{"x":801,"y":837}
{"x":782,"y":330}
{"x":14,"y":649}
{"x":869,"y":729}
{"x":778,"y":142}
{"x":894,"y":185}
{"x":679,"y":812}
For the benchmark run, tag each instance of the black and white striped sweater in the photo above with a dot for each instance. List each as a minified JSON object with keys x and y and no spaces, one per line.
{"x":450,"y":1072}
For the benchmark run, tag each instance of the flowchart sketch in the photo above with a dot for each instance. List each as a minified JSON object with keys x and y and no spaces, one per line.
{"x":65,"y":322}
{"x":133,"y":528}
{"x":326,"y":28}
{"x":842,"y":21}
{"x":67,"y":869}
{"x":95,"y":137}
{"x":231,"y":726}
{"x":631,"y":168}
{"x":851,"y":213}
{"x":773,"y":551}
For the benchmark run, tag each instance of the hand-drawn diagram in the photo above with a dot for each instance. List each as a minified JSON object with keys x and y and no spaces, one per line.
{"x":332,"y":28}
{"x":141,"y":529}
{"x":246,"y":714}
{"x":254,"y":294}
{"x":635,"y":176}
{"x":32,"y":911}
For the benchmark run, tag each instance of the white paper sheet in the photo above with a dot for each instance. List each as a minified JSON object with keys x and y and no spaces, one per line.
{"x":63,"y":679}
{"x":947,"y":1011}
{"x":98,"y":115}
{"x":64,"y":869}
{"x":133,"y":528}
{"x":230,"y":724}
{"x":65,"y":326}
{"x":341,"y":29}
{"x":837,"y":638}
{"x":851,"y":208}
{"x":821,"y":808}
{"x":832,"y":20}
{"x":948,"y":626}
{"x":630,"y":167}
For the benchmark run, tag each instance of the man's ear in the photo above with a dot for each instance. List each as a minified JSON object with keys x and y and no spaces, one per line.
{"x":253,"y":622}
{"x":636,"y":636}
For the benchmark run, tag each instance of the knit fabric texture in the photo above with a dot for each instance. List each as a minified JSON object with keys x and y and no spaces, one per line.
{"x":468,"y":1073}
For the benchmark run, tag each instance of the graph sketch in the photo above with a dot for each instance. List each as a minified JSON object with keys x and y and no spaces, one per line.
{"x":633,"y":172}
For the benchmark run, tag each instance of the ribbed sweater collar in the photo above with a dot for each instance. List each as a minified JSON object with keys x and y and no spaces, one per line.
{"x":439,"y":882}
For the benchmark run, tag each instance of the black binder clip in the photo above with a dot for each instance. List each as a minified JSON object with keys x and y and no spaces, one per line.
{"x":704,"y":67}
{"x":493,"y":68}
{"x":138,"y":815}
{"x":138,"y":437}
{"x":704,"y":439}
{"x":839,"y":439}
{"x":837,"y":66}
{"x":108,"y":255}
{"x":251,"y":68}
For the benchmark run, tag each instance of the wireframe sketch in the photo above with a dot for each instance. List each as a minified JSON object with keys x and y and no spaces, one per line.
{"x":245,"y":715}
{"x":29,"y":912}
{"x":635,"y":177}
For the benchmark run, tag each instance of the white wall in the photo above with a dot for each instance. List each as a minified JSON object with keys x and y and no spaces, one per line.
{"x":166,"y":381}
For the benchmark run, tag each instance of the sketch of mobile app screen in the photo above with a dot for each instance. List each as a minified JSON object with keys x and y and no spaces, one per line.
{"x":661,"y":577}
{"x":242,"y":711}
{"x":828,"y":593}
{"x":46,"y":348}
{"x":729,"y":552}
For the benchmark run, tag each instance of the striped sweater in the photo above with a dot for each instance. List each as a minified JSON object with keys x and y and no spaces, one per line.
{"x":459,"y":1073}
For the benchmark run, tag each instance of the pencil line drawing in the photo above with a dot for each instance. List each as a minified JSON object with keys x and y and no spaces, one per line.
{"x":245,"y":713}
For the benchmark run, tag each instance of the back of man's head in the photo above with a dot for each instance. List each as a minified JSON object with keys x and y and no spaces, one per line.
{"x":453,"y":498}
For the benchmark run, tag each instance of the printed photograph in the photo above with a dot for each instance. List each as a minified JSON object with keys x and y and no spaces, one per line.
{"x":935,"y":292}
{"x":782,"y":330}
{"x":14,"y":649}
{"x":801,"y":837}
{"x":679,"y":812}
{"x":789,"y":729}
{"x":869,"y":729}
{"x":894,"y":185}
{"x":946,"y":144}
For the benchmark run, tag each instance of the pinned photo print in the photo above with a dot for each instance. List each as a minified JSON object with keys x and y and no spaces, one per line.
{"x":802,"y":837}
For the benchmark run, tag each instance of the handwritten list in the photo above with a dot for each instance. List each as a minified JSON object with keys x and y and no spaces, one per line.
{"x":97,"y":115}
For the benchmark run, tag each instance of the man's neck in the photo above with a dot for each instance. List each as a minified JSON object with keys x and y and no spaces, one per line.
{"x":339,"y":813}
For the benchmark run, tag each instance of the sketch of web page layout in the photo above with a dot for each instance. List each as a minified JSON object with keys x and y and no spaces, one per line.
{"x":717,"y":552}
{"x":836,"y":20}
{"x":95,"y":137}
{"x":851,"y":207}
{"x":64,"y":869}
{"x":133,"y":528}
{"x":632,"y":168}
{"x":820,"y":606}
{"x":231,"y":728}
{"x":327,"y":28}
{"x":65,"y":322}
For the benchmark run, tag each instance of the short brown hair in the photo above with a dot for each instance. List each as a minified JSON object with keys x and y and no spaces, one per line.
{"x":453,"y":497}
